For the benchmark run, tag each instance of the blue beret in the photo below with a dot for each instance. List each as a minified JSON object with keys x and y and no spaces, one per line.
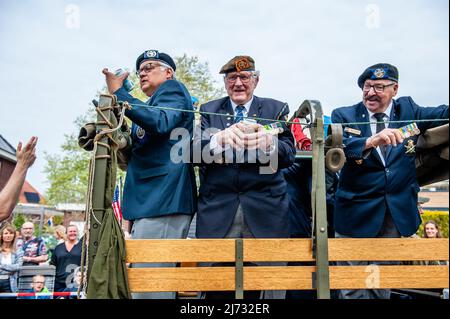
{"x":380,"y":71}
{"x":155,"y":55}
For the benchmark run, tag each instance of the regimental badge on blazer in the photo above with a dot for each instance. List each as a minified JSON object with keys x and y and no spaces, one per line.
{"x":352,"y":131}
{"x":410,"y":147}
{"x":140,"y":133}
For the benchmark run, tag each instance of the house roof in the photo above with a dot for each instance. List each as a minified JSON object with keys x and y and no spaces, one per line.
{"x":7,"y":151}
{"x":29,"y":195}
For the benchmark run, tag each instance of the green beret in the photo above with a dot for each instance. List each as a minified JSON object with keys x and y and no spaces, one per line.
{"x":380,"y":71}
{"x":237,"y":64}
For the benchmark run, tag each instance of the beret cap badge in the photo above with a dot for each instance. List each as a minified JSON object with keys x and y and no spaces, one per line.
{"x":242,"y":64}
{"x":151,"y":54}
{"x":379,"y":73}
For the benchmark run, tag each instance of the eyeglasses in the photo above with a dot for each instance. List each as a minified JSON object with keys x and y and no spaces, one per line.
{"x":147,"y":68}
{"x":245,"y":78}
{"x":376,"y":87}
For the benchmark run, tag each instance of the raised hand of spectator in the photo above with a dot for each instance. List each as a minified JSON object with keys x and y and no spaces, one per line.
{"x":26,"y":155}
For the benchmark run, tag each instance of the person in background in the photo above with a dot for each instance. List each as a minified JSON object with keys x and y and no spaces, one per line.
{"x":10,"y":193}
{"x":60,"y":234}
{"x":34,"y":248}
{"x":37,"y":286}
{"x":66,"y":257}
{"x":10,"y":259}
{"x":431,"y":229}
{"x":73,"y":287}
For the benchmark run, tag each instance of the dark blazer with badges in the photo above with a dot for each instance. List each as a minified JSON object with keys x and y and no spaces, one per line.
{"x":367,"y":189}
{"x":224,"y":185}
{"x":155,"y":185}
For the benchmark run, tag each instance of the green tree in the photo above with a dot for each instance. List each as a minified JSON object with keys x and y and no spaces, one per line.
{"x":197,"y":78}
{"x":67,"y":171}
{"x":18,"y":221}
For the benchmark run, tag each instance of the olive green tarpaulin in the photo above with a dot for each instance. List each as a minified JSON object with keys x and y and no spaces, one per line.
{"x":107,"y":271}
{"x":108,"y":276}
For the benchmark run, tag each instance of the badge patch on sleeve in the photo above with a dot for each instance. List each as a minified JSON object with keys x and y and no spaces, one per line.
{"x":352,"y":131}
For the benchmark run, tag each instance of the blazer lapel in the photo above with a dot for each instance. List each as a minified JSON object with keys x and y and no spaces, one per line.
{"x":394,"y":116}
{"x":255,"y":108}
{"x":363,"y":116}
{"x":227,"y":119}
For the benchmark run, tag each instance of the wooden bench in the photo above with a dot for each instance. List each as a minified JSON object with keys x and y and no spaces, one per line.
{"x":285,"y":277}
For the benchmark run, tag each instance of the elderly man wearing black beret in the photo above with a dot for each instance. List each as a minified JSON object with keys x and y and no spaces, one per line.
{"x":159,"y":194}
{"x":238,"y":198}
{"x":377,"y":191}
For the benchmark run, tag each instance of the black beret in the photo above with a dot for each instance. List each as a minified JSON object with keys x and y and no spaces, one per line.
{"x":237,"y":64}
{"x":156,"y":56}
{"x":380,"y":71}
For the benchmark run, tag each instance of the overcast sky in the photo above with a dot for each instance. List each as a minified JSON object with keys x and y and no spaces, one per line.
{"x":52,"y":52}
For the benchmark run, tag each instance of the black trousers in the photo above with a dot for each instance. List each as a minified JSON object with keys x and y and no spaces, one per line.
{"x":5,"y":285}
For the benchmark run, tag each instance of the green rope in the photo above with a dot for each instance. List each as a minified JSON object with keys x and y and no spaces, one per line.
{"x":281,"y":121}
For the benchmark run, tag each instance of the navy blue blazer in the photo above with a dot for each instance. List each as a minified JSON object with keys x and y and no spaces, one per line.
{"x":367,"y":189}
{"x":155,"y":185}
{"x":223,"y":186}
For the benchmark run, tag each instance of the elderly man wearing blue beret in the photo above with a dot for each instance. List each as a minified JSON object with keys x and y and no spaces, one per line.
{"x":377,"y":192}
{"x":159,"y":194}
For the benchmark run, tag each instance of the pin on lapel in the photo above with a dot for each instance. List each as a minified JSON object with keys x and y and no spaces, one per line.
{"x":410,"y":147}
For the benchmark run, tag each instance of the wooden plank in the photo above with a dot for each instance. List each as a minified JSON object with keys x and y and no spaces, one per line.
{"x":181,"y":279}
{"x":265,"y":250}
{"x":209,"y":250}
{"x":278,"y":278}
{"x":179,"y":250}
{"x":287,"y":278}
{"x":365,"y":277}
{"x":356,"y":277}
{"x":388,"y":249}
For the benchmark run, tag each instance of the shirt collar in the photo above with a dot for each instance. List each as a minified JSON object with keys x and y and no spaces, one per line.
{"x":387,"y":112}
{"x":246,"y":105}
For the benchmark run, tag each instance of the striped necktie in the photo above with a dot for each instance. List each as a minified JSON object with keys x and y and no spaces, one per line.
{"x":239,"y":116}
{"x":381,"y":126}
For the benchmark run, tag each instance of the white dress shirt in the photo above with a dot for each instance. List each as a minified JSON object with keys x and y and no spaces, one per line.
{"x":214,"y":145}
{"x":373,"y":125}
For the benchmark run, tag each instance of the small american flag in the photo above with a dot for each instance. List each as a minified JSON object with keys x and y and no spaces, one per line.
{"x":116,"y":205}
